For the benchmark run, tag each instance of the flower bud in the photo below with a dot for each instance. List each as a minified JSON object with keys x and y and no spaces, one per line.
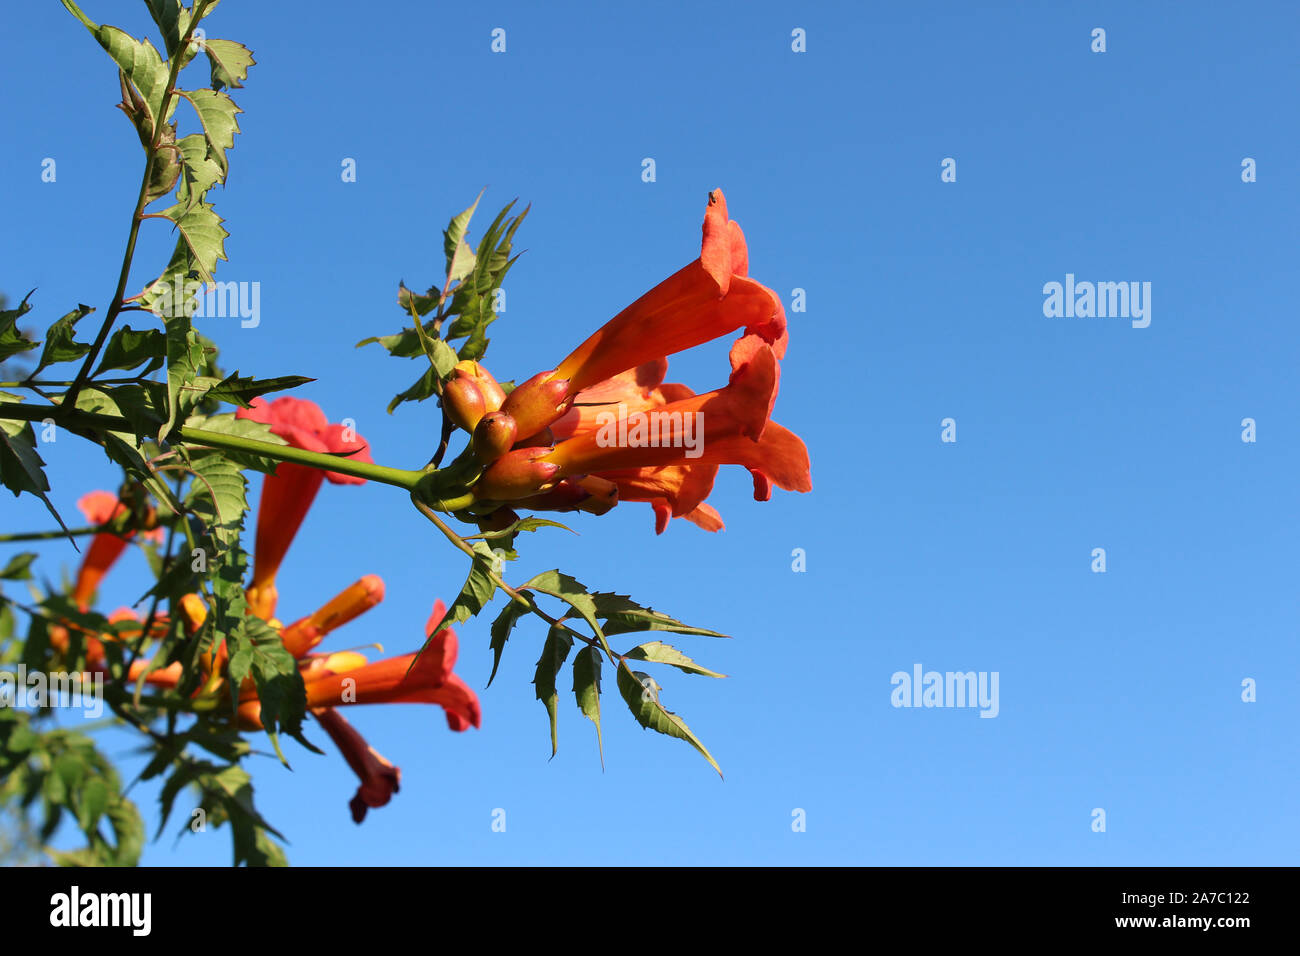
{"x":516,"y":474}
{"x":493,"y":436}
{"x":463,"y":402}
{"x":493,"y":394}
{"x":537,"y":402}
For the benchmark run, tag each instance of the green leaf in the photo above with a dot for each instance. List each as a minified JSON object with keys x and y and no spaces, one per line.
{"x":523,"y":524}
{"x":241,"y":391}
{"x":199,"y":172}
{"x":59,"y":343}
{"x":256,"y":649}
{"x":12,"y":341}
{"x":138,"y":60}
{"x":184,"y":358}
{"x":460,"y":257}
{"x":586,"y":688}
{"x":218,"y":496}
{"x":554,"y":651}
{"x":230,"y":62}
{"x":144,"y":405}
{"x":201,"y":231}
{"x":657,"y":652}
{"x":476,"y":592}
{"x":92,"y":801}
{"x":501,"y":628}
{"x":228,"y":424}
{"x":17,"y":568}
{"x":217,"y":113}
{"x":129,"y":348}
{"x":410,"y":302}
{"x":424,"y":386}
{"x":21,"y":469}
{"x":622,"y":615}
{"x":573,"y":593}
{"x":442,"y":357}
{"x":638,"y":690}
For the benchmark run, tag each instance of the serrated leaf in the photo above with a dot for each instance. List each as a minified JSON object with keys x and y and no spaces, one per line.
{"x":554,"y":651}
{"x":144,"y":405}
{"x":256,"y":650}
{"x":651,"y":714}
{"x":241,"y":391}
{"x":217,"y":113}
{"x":60,"y":346}
{"x":573,"y":593}
{"x":460,"y":257}
{"x":199,"y":171}
{"x":21,"y":469}
{"x":474,"y":594}
{"x":410,"y":302}
{"x":130,"y":348}
{"x":230,"y":62}
{"x":201,"y":231}
{"x":218,"y":496}
{"x":12,"y":341}
{"x":586,"y":689}
{"x":622,"y":615}
{"x":138,"y":60}
{"x":501,"y":628}
{"x":184,"y":357}
{"x":657,"y":652}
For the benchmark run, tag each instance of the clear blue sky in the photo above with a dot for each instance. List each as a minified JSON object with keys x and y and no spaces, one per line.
{"x":1119,"y":690}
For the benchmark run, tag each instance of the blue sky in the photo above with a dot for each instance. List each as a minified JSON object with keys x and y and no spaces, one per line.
{"x":1118,"y":690}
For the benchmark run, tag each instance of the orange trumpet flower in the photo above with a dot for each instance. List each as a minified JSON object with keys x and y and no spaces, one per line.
{"x":101,"y":507}
{"x":711,"y":297}
{"x":288,"y":494}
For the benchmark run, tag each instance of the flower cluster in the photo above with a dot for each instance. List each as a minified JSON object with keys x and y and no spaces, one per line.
{"x":549,"y":444}
{"x":331,"y":679}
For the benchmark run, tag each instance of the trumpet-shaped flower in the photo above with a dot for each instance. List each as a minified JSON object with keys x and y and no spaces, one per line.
{"x":288,"y":494}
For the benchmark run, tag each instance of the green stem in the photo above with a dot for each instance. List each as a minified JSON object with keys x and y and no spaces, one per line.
{"x":46,"y":535}
{"x":398,"y":477}
{"x":514,"y":593}
{"x":142,"y":200}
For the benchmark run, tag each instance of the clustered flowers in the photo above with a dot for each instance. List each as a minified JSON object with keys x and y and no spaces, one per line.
{"x":543,"y":446}
{"x":331,"y":680}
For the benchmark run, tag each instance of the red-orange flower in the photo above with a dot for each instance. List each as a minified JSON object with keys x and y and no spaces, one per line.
{"x":711,"y":297}
{"x":379,"y":778}
{"x":613,"y":419}
{"x":343,"y":679}
{"x":288,"y":494}
{"x":101,"y":507}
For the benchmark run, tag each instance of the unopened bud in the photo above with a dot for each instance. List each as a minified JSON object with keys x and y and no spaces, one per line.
{"x":538,"y":402}
{"x":493,"y":394}
{"x":463,"y":403}
{"x":516,"y":474}
{"x":493,"y":436}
